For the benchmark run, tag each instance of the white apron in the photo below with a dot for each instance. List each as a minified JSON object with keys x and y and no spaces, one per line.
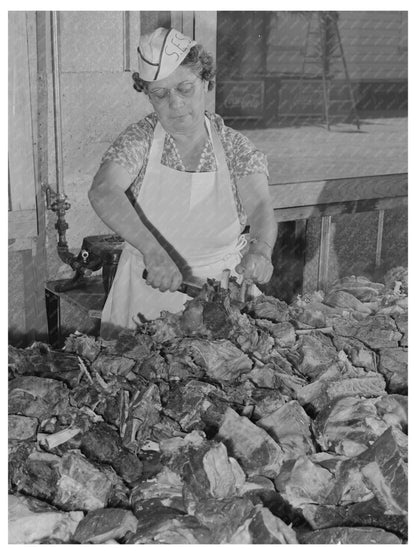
{"x":197,"y":214}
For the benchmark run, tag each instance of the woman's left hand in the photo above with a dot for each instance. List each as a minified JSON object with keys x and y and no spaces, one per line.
{"x":256,"y":267}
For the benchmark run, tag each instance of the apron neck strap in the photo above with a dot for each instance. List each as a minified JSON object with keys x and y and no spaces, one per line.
{"x":159,"y":134}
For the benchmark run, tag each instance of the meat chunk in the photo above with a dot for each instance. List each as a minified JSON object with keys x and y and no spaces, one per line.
{"x":345,"y":535}
{"x":290,"y":427}
{"x":253,"y":447}
{"x":31,"y":521}
{"x":348,"y":426}
{"x":101,"y":525}
{"x":393,"y":366}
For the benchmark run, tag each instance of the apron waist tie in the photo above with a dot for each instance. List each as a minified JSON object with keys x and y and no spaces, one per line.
{"x":230,"y":253}
{"x":241,"y":243}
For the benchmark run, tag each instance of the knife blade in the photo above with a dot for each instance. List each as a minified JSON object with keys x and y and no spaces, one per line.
{"x":190,"y":288}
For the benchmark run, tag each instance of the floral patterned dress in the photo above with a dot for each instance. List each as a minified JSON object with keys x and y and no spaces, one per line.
{"x":132,"y":146}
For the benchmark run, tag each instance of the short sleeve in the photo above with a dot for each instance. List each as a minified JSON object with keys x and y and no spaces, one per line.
{"x":130,"y":149}
{"x":247,"y":159}
{"x":242,"y":155}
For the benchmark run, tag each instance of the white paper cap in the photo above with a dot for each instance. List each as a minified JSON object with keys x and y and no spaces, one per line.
{"x":161,"y":52}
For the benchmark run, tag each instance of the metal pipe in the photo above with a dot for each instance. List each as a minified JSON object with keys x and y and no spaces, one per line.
{"x":57,"y":110}
{"x":60,"y":204}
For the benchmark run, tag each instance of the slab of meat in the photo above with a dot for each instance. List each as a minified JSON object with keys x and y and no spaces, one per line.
{"x":377,"y":332}
{"x":252,"y":446}
{"x":31,"y":521}
{"x":37,"y":397}
{"x":348,"y":426}
{"x":101,"y":525}
{"x":290,"y":427}
{"x":345,"y":535}
{"x":365,"y":513}
{"x":393,"y":366}
{"x":318,"y":395}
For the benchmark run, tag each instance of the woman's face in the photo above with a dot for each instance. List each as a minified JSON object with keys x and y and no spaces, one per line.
{"x":179,"y":101}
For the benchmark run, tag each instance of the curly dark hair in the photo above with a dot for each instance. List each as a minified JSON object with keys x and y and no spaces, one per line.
{"x":198,"y":60}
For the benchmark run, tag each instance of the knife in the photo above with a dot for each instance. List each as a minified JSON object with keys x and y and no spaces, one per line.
{"x":190,"y":288}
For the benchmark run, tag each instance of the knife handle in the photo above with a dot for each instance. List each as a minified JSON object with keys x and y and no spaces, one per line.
{"x":183,"y":288}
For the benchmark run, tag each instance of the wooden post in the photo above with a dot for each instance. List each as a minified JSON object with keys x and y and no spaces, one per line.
{"x":126,"y":42}
{"x":22,"y":187}
{"x":27,"y":229}
{"x":38,"y":104}
{"x":131,"y":37}
{"x":379,"y":237}
{"x":184,"y":22}
{"x":324,"y":253}
{"x":188,"y":23}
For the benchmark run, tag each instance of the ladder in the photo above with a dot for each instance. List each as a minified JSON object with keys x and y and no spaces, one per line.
{"x":323,"y":47}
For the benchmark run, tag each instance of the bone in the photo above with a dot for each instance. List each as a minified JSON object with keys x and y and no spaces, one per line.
{"x":243,"y":291}
{"x":59,"y":438}
{"x":225,"y":278}
{"x":250,"y":291}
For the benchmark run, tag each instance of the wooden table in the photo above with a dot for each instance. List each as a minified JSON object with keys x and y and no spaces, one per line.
{"x":88,"y":297}
{"x":319,"y":174}
{"x":330,"y":197}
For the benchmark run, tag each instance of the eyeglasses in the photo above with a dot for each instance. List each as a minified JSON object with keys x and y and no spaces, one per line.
{"x":185,"y":90}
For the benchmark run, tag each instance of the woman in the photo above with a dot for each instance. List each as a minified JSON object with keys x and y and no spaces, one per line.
{"x":179,"y":186}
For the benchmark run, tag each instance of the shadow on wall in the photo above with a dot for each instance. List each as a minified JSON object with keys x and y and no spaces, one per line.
{"x":71,"y":320}
{"x":22,"y":340}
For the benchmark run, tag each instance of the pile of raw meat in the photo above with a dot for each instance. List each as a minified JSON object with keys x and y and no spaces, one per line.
{"x":236,"y":422}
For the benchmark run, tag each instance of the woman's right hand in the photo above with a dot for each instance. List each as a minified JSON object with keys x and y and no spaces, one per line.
{"x":162,"y":272}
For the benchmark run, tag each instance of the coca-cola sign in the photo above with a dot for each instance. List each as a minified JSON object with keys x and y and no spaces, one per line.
{"x":240,"y":99}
